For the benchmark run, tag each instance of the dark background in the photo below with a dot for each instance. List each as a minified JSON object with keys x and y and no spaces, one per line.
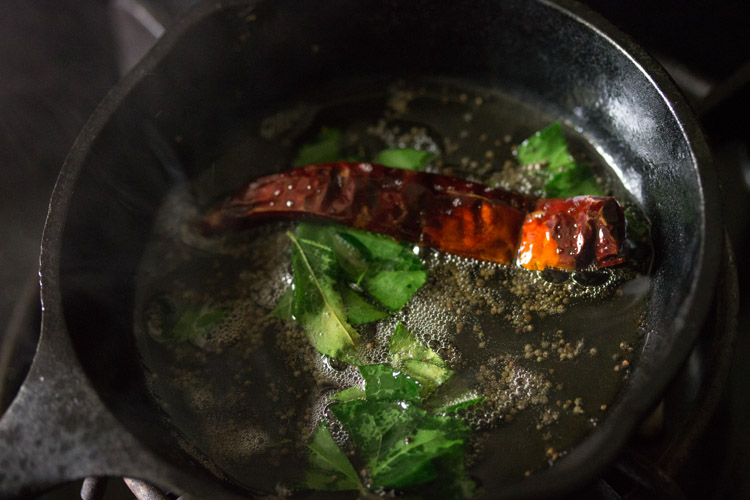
{"x":59,"y":58}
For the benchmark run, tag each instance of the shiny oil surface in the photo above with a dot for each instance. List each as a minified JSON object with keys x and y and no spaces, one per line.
{"x":548,"y":352}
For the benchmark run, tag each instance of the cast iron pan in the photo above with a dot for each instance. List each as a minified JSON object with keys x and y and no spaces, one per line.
{"x":84,"y":410}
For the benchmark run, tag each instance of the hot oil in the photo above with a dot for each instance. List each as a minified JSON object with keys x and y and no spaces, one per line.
{"x":245,"y":395}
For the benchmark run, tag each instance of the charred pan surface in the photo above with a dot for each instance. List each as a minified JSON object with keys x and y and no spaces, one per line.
{"x":437,"y":211}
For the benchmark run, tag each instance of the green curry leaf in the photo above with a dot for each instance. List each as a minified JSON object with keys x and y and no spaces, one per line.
{"x":326,"y":148}
{"x":408,"y":159}
{"x":329,"y":469}
{"x":401,"y":444}
{"x":388,"y":271}
{"x":382,"y":250}
{"x":352,"y":256}
{"x":461,"y":405}
{"x":452,"y":397}
{"x":283,"y":309}
{"x":383,"y":383}
{"x":573,"y":179}
{"x":405,"y":345}
{"x":358,"y":309}
{"x":188,"y":322}
{"x":349,"y":394}
{"x":317,"y":305}
{"x":395,"y":288}
{"x":417,"y":360}
{"x":547,"y":146}
{"x":332,"y":265}
{"x":564,"y":177}
{"x":429,"y":375}
{"x":392,"y":273}
{"x":411,"y":458}
{"x":370,"y":422}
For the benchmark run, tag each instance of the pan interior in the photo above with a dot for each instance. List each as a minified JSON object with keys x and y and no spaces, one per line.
{"x":248,"y":391}
{"x":193,"y":99}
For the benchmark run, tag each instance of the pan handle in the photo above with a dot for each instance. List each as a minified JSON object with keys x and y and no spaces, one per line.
{"x":58,"y":430}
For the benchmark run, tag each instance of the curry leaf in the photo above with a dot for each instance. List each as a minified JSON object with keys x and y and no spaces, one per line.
{"x":395,"y":288}
{"x":405,"y":345}
{"x":573,"y":179}
{"x":330,"y":469}
{"x":547,"y":146}
{"x":325,"y":148}
{"x":368,"y":422}
{"x":401,"y":443}
{"x":351,"y":264}
{"x":383,"y":383}
{"x":412,"y":460}
{"x":462,"y":405}
{"x":408,"y":159}
{"x":383,"y":250}
{"x":190,"y":322}
{"x":388,"y":271}
{"x":454,"y":395}
{"x":429,"y":375}
{"x":283,"y":309}
{"x":358,"y":309}
{"x":417,"y":360}
{"x":390,"y":401}
{"x":565,"y":177}
{"x":350,"y":394}
{"x":317,"y":305}
{"x":351,"y":255}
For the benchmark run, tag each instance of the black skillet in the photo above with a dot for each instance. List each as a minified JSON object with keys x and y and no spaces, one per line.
{"x":83,"y":409}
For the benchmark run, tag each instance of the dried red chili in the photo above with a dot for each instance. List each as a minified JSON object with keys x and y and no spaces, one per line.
{"x":446,"y":213}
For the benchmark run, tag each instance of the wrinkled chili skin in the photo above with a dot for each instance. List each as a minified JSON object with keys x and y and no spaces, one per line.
{"x":572,"y":233}
{"x":442,"y":212}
